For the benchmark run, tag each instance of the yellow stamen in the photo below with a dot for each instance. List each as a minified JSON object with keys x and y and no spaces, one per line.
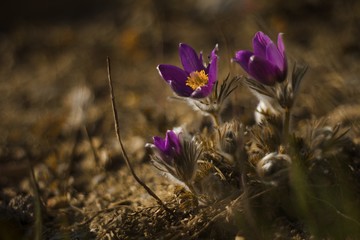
{"x":197,"y":79}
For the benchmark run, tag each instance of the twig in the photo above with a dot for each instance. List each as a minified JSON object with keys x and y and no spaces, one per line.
{"x":117,"y":130}
{"x":93,"y":148}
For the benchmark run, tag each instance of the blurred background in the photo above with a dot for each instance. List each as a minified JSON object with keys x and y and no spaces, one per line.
{"x":53,"y":80}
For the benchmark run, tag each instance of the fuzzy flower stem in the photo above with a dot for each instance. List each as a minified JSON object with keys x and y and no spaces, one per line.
{"x":216,"y":119}
{"x":286,"y":125}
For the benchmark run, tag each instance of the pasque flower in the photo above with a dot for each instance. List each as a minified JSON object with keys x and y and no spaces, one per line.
{"x":195,"y":80}
{"x":267,"y":63}
{"x":176,"y":155}
{"x":168,"y":147}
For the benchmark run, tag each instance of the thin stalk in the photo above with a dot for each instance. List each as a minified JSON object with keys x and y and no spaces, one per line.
{"x":118,"y":135}
{"x":93,"y":148}
{"x":216,"y":121}
{"x":286,"y":125}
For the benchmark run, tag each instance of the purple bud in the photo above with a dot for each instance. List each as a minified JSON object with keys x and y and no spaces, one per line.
{"x":267,"y":63}
{"x":170,"y":146}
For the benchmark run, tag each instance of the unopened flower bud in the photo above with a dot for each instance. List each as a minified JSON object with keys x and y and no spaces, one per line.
{"x":231,"y":136}
{"x":273,"y":167}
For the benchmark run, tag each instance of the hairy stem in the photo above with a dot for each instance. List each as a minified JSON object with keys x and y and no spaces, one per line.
{"x":286,"y":125}
{"x":216,"y":119}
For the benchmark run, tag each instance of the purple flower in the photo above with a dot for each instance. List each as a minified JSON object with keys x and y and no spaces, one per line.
{"x":267,"y":64}
{"x":195,"y":80}
{"x":168,"y":147}
{"x":176,"y":155}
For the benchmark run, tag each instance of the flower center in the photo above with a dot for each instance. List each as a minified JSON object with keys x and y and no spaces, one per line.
{"x":197,"y":79}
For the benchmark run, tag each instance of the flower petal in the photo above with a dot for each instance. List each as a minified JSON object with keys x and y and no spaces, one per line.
{"x":243,"y":57}
{"x":202,"y":92}
{"x":171,"y":73}
{"x":170,"y":145}
{"x":260,"y":41}
{"x":189,"y":59}
{"x":263,"y":71}
{"x":213,"y":54}
{"x":201,"y":57}
{"x":280,"y":45}
{"x":176,"y":77}
{"x":159,"y":150}
{"x":160,"y":144}
{"x":212,"y":70}
{"x":173,"y":141}
{"x":274,"y":56}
